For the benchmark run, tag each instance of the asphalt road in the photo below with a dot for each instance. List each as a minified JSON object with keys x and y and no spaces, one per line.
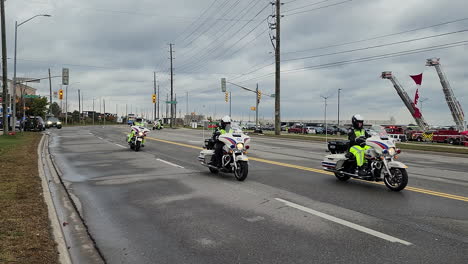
{"x":161,"y":206}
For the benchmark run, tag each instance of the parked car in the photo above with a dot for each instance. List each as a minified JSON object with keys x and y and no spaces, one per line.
{"x":34,"y":123}
{"x":297,"y":129}
{"x":53,"y":122}
{"x":310,"y":130}
{"x":319,"y":130}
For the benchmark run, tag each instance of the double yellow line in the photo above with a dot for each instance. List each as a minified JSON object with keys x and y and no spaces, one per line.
{"x":414,"y":189}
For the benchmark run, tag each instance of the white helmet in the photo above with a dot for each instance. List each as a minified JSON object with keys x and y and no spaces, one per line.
{"x":226,"y":119}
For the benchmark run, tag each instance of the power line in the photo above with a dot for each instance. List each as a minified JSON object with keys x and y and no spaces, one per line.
{"x":371,"y":58}
{"x":209,"y":28}
{"x":236,"y":44}
{"x":322,"y":7}
{"x":378,"y":37}
{"x":210,"y":47}
{"x":378,"y":46}
{"x":216,"y":37}
{"x":302,"y":7}
{"x":210,"y":52}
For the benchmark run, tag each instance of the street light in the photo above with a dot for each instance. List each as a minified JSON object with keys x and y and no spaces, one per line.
{"x":14,"y":64}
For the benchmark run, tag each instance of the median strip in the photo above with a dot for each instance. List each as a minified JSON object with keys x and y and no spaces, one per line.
{"x":413,"y":189}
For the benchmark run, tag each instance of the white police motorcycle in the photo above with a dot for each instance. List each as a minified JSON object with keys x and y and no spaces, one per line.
{"x":234,"y":157}
{"x":380,"y":161}
{"x":139,"y":135}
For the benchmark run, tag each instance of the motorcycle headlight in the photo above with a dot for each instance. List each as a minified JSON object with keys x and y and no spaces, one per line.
{"x":140,"y":134}
{"x":240,"y":146}
{"x":59,"y":123}
{"x":49,"y":122}
{"x":391,"y":151}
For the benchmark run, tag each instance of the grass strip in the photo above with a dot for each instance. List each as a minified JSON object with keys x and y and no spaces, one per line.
{"x":25,"y":233}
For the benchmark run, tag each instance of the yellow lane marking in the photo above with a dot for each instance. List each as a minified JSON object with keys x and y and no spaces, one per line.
{"x":414,"y":189}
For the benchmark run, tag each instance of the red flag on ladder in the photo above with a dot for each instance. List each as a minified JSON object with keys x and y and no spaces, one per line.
{"x":418,"y":80}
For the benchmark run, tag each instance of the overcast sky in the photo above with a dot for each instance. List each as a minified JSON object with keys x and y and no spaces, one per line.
{"x":112,"y":48}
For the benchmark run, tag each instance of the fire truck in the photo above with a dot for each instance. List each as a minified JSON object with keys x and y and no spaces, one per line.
{"x":397,"y":133}
{"x":450,"y":136}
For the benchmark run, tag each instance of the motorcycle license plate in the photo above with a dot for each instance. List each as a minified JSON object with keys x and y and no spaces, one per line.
{"x":139,"y":139}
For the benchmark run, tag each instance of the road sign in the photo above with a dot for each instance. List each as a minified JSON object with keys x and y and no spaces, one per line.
{"x":171,"y":102}
{"x":223,"y":85}
{"x":31,"y":96}
{"x":253,"y":108}
{"x":65,"y":76}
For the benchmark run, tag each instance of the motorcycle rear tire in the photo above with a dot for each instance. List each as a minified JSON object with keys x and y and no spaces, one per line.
{"x":341,"y":177}
{"x":402,"y":184}
{"x":242,"y":170}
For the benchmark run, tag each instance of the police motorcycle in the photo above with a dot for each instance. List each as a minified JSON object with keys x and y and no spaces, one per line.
{"x":234,"y":159}
{"x":138,"y":137}
{"x":158,"y":125}
{"x":380,"y":161}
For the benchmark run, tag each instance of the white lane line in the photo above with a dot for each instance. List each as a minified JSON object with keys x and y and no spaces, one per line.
{"x":170,"y":163}
{"x":345,"y":223}
{"x":120,"y":146}
{"x":100,"y":138}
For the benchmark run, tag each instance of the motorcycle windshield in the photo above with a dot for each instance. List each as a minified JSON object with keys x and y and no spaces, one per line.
{"x":378,"y":131}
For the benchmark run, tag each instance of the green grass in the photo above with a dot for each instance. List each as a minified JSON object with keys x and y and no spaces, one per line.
{"x":8,"y":142}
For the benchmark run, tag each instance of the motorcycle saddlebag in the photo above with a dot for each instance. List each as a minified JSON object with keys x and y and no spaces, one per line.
{"x":340,"y":146}
{"x":209,"y":143}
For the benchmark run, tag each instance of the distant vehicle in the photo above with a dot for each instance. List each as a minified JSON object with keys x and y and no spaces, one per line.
{"x":250,"y":126}
{"x":319,"y":130}
{"x":310,"y":130}
{"x":297,"y":129}
{"x":53,"y":122}
{"x":130,"y":119}
{"x":34,"y":123}
{"x":120,"y":120}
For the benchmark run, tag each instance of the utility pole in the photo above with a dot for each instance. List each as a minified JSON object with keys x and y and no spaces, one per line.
{"x":277,"y":71}
{"x":79,"y":106}
{"x":4,"y":69}
{"x":50,"y":89}
{"x":230,"y":104}
{"x":94,"y":112}
{"x":104,"y":105}
{"x":256,"y":108}
{"x":66,"y":105}
{"x":154,"y":92}
{"x":167,"y":99}
{"x":187,"y":106}
{"x":158,"y":102}
{"x":339,"y":90}
{"x":172,"y":86}
{"x":175,"y":108}
{"x":325,"y":119}
{"x":82,"y":108}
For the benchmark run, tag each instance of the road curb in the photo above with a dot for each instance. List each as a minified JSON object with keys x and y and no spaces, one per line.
{"x":59,"y":237}
{"x":74,"y":242}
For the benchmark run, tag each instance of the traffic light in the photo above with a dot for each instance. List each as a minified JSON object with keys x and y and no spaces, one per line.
{"x":259,"y":96}
{"x":154,"y":98}
{"x":61,"y":94}
{"x":226,"y":97}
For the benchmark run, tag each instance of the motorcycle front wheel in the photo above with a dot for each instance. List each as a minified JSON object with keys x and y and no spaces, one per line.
{"x":398,"y":179}
{"x":137,"y":146}
{"x":242,"y":170}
